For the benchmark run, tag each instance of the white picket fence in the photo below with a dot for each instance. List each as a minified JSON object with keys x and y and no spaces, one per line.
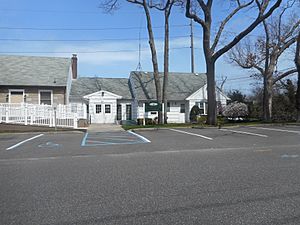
{"x":42,"y":115}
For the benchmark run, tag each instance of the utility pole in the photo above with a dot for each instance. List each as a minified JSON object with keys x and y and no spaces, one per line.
{"x":192,"y":48}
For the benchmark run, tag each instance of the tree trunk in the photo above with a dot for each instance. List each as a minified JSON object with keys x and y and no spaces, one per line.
{"x":211,"y":93}
{"x":154,"y":59}
{"x":267,"y":97}
{"x":297,"y":62}
{"x":298,"y":95}
{"x":166,"y":67}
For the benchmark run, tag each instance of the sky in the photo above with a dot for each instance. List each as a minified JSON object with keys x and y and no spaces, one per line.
{"x":107,"y":45}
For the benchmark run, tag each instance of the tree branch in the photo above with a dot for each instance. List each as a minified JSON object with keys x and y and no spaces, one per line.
{"x":225,"y":21}
{"x":250,"y":28}
{"x":285,"y":74}
{"x":287,"y":45}
{"x":293,"y":29}
{"x":202,"y":5}
{"x":135,"y":2}
{"x":109,"y":5}
{"x":193,"y":16}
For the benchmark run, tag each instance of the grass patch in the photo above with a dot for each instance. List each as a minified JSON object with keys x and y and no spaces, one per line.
{"x":17,"y":128}
{"x":197,"y":125}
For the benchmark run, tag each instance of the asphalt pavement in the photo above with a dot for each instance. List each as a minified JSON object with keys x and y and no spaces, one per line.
{"x":237,"y":175}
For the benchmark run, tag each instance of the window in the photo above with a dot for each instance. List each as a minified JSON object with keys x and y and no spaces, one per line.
{"x":201,"y":106}
{"x":16,"y":96}
{"x":46,"y":97}
{"x":107,"y":108}
{"x":182,"y":108}
{"x":98,"y":109}
{"x":119,"y":112}
{"x":168,"y":106}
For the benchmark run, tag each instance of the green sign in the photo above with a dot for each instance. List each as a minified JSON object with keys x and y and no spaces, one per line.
{"x":152,"y":106}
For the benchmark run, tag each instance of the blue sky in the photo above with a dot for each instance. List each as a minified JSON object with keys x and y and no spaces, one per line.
{"x":115,"y":53}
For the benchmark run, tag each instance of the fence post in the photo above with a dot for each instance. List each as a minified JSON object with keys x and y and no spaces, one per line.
{"x":55,"y":125}
{"x":26,"y":114}
{"x":50,"y":118}
{"x":75,"y":121}
{"x":6,"y":115}
{"x":32,"y":112}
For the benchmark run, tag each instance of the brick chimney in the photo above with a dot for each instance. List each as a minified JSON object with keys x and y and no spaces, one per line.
{"x":74,"y":66}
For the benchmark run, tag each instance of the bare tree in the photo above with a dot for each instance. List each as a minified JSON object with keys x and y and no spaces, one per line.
{"x":166,"y":7}
{"x":264,"y":55}
{"x":297,"y":62}
{"x":111,"y":5}
{"x":211,"y":53}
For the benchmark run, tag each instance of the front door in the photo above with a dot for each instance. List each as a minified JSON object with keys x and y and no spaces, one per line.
{"x":103,"y":113}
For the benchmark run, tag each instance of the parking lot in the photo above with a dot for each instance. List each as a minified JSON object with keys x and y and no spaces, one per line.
{"x":181,"y":139}
{"x":236,"y":175}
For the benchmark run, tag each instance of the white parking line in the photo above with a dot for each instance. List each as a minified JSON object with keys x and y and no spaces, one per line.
{"x":198,"y":135}
{"x":273,"y":129}
{"x":243,"y":132}
{"x":22,"y":142}
{"x":140,"y":136}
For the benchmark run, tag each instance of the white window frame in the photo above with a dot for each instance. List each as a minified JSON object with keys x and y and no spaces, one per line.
{"x":96,"y":108}
{"x":109,"y":109}
{"x":44,"y":90}
{"x":180,"y":108}
{"x":15,"y":90}
{"x":204,"y":106}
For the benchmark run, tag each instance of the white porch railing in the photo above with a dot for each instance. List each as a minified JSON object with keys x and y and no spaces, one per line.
{"x":176,"y":117}
{"x":42,"y":115}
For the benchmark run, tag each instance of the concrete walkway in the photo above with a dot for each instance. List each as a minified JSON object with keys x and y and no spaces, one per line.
{"x":104,"y":128}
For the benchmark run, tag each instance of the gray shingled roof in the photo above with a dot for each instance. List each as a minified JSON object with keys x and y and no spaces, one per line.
{"x":34,"y":70}
{"x":88,"y":85}
{"x":180,"y":85}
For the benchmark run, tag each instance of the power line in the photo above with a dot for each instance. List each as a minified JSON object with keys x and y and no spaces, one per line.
{"x":85,"y":29}
{"x":83,"y":52}
{"x":239,"y":78}
{"x":64,"y":11}
{"x":81,"y":40}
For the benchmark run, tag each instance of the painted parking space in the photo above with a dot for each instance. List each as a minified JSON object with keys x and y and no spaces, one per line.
{"x":244,"y":132}
{"x":112,"y":138}
{"x":24,"y":141}
{"x":14,"y":141}
{"x":278,"y":129}
{"x":192,"y":134}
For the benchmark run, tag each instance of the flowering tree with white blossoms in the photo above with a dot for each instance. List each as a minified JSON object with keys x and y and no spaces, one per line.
{"x":235,"y":110}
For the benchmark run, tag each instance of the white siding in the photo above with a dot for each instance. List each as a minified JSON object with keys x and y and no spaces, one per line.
{"x":174,"y":116}
{"x":201,"y":96}
{"x":102,"y":99}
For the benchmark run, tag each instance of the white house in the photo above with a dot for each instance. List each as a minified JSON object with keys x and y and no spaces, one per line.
{"x":111,"y":100}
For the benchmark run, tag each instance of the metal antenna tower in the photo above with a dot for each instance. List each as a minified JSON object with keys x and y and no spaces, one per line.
{"x":139,"y":66}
